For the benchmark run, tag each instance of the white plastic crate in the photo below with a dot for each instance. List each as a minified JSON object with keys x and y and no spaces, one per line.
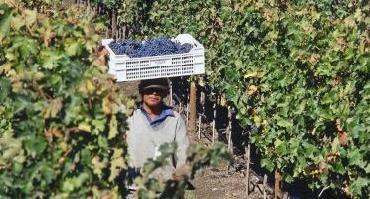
{"x":125,"y":68}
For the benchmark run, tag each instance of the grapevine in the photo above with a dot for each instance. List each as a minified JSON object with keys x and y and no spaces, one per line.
{"x":298,"y":73}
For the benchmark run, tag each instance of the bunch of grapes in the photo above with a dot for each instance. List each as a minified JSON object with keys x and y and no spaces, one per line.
{"x":156,"y":47}
{"x":121,"y":47}
{"x":183,"y":48}
{"x":153,"y":47}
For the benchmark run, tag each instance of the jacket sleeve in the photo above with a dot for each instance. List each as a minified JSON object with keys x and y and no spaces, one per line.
{"x":182,"y":142}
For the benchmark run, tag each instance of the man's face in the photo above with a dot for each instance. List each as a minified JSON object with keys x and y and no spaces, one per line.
{"x":153,"y":97}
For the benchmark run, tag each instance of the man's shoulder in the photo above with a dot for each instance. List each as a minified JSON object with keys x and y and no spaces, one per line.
{"x":172,"y":109}
{"x":135,"y":112}
{"x":172,"y":112}
{"x":176,"y":114}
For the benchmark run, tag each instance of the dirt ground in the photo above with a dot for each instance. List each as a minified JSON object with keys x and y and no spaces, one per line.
{"x":227,"y":181}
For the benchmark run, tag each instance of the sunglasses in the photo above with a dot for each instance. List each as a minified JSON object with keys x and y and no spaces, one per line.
{"x":154,"y":91}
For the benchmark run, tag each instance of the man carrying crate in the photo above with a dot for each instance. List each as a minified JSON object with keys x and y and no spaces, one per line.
{"x":154,"y":124}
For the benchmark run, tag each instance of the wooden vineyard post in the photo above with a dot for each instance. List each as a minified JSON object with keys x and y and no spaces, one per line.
{"x":107,"y":33}
{"x":193,"y":107}
{"x":124,"y":32}
{"x":202,"y":100}
{"x":187,"y":114}
{"x":229,"y":130}
{"x":277,"y":185}
{"x":199,"y":126}
{"x":99,"y":10}
{"x":248,"y":156}
{"x":171,"y":94}
{"x":214,"y":121}
{"x":264,"y":186}
{"x":114,"y":24}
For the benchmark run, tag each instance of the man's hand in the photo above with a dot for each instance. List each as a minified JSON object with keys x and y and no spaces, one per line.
{"x":177,"y":178}
{"x":181,"y":173}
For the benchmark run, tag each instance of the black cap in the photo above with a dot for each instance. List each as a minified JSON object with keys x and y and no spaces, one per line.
{"x":159,"y":83}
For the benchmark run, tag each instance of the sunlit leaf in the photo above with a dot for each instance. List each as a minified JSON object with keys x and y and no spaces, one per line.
{"x":5,"y":20}
{"x":30,"y":17}
{"x":53,"y":108}
{"x":113,"y":131}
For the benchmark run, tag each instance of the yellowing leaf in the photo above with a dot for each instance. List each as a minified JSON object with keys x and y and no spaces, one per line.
{"x":5,"y":68}
{"x":335,"y":144}
{"x":252,"y":89}
{"x":56,"y":132}
{"x":112,"y":127}
{"x":17,"y":86}
{"x":257,"y":120}
{"x":117,"y":163}
{"x":10,"y":56}
{"x":30,"y":16}
{"x":53,"y":108}
{"x":87,"y":87}
{"x":251,"y":74}
{"x":84,"y":126}
{"x":38,"y":76}
{"x":223,"y":100}
{"x":48,"y":36}
{"x":73,"y":48}
{"x":98,"y":165}
{"x":264,"y":122}
{"x":17,"y":23}
{"x":63,"y":146}
{"x":109,"y":106}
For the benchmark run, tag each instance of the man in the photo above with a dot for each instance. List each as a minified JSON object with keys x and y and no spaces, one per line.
{"x":154,"y":124}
